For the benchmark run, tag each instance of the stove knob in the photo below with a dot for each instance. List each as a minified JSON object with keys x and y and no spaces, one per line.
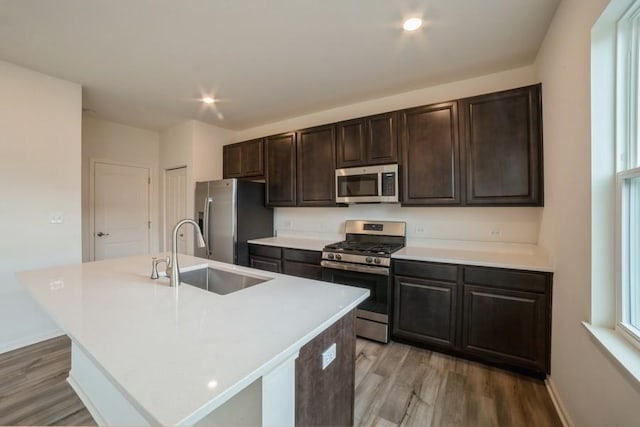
{"x":330,"y":255}
{"x":369,"y":259}
{"x":338,"y":256}
{"x":376,"y":260}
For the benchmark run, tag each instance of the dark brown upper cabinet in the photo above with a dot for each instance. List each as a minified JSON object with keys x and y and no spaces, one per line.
{"x":367,"y":141}
{"x":502,"y":135}
{"x":281,"y":170}
{"x":431,"y":155}
{"x":244,"y":159}
{"x":316,"y":166}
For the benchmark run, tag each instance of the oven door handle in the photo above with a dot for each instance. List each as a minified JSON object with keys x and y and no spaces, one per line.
{"x":371,"y":269}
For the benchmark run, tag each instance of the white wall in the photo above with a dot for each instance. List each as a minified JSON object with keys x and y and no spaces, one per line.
{"x":490,"y":83}
{"x":109,"y":141}
{"x":591,"y":387}
{"x":518,"y":225}
{"x":198,"y":147}
{"x":176,"y":151}
{"x":40,"y":128}
{"x":207,"y":150}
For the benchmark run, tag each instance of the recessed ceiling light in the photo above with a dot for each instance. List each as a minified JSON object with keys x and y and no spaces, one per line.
{"x":412,"y":24}
{"x":208,"y":100}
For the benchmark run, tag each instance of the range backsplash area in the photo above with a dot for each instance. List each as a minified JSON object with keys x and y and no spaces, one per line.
{"x":484,"y":224}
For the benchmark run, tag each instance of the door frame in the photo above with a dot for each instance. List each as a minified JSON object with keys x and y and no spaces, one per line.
{"x":92,"y":191}
{"x":163,"y":236}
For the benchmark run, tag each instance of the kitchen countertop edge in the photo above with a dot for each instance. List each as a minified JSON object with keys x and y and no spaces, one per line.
{"x":532,"y":259}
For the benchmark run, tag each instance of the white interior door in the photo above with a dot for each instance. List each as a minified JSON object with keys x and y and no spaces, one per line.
{"x":175,"y":206}
{"x":121,"y":211}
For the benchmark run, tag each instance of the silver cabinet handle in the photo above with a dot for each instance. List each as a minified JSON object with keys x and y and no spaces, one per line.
{"x":100,"y":234}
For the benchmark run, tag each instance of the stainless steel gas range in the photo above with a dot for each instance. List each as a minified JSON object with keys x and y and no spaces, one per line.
{"x":364,"y":260}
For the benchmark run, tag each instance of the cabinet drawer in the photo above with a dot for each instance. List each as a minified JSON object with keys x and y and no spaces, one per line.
{"x":268,"y":264}
{"x":427,"y":270}
{"x":265,"y":251}
{"x":508,"y":279}
{"x":300,"y":255}
{"x":309,"y":271}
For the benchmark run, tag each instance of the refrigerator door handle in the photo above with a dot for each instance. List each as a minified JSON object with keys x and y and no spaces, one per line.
{"x":205,"y":232}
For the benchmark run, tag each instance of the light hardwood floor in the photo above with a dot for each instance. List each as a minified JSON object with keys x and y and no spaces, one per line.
{"x":396,"y":385}
{"x":34,"y":390}
{"x":402,"y":385}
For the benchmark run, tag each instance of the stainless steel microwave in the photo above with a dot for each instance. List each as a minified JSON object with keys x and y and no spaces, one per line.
{"x":368,"y":184}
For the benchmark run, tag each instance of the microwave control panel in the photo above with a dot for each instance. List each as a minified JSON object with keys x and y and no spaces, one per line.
{"x":389,"y":184}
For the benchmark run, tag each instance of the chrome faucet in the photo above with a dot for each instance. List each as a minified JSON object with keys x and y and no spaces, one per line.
{"x":172,"y":266}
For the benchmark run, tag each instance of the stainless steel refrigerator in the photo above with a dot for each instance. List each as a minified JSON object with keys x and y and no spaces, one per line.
{"x":229,"y":213}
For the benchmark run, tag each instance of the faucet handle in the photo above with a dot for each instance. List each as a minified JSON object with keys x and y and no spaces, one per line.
{"x":154,"y":266}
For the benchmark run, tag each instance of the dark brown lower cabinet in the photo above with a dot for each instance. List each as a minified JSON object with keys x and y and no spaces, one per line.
{"x":325,"y":397}
{"x":302,"y":263}
{"x":265,"y":257}
{"x":426,"y":310}
{"x":294,"y":262}
{"x":493,"y":315}
{"x":505,"y":326}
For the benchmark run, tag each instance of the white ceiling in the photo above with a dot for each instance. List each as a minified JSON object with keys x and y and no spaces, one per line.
{"x":147,"y":62}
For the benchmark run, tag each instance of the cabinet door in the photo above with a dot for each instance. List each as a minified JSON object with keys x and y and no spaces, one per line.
{"x":431,"y":155}
{"x":351,"y":144}
{"x":368,"y":141}
{"x":232,"y":161}
{"x":281,"y":170}
{"x":382,"y":138}
{"x":503,"y":140}
{"x":505,"y":326}
{"x":253,"y":158}
{"x":425,"y":311}
{"x":316,"y":166}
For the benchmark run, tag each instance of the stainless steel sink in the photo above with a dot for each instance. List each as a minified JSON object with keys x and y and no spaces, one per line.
{"x":219,"y":281}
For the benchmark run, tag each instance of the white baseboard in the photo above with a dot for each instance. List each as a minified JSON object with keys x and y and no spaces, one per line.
{"x":33,"y":339}
{"x":97,"y":417}
{"x":557,"y":403}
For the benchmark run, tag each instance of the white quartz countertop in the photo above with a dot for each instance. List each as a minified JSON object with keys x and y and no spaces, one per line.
{"x":518,"y":257}
{"x":181,"y":352}
{"x":294,"y":242}
{"x":488,"y":254}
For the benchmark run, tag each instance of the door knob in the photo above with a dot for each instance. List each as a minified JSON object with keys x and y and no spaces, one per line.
{"x":100,"y":234}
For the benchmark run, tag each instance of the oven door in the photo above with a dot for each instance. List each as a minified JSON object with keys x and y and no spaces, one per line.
{"x":372,"y":316}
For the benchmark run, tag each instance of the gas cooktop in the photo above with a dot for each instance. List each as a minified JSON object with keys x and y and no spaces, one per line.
{"x":365,"y":248}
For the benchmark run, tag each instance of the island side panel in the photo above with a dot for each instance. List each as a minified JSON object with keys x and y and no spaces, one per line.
{"x":326,"y":397}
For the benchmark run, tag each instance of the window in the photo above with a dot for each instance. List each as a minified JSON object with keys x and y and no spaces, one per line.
{"x":628,"y":172}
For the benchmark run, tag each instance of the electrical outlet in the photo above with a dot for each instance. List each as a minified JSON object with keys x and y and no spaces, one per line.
{"x":56,"y":218}
{"x":56,"y":284}
{"x":496,"y":232}
{"x":328,"y":356}
{"x":420,"y":229}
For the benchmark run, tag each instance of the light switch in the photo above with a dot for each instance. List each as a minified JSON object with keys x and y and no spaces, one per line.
{"x":56,"y":217}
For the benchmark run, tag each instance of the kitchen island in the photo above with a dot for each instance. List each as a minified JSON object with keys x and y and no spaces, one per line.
{"x":144,"y":353}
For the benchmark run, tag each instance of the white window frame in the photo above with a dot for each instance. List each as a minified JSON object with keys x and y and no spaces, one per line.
{"x":627,"y":161}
